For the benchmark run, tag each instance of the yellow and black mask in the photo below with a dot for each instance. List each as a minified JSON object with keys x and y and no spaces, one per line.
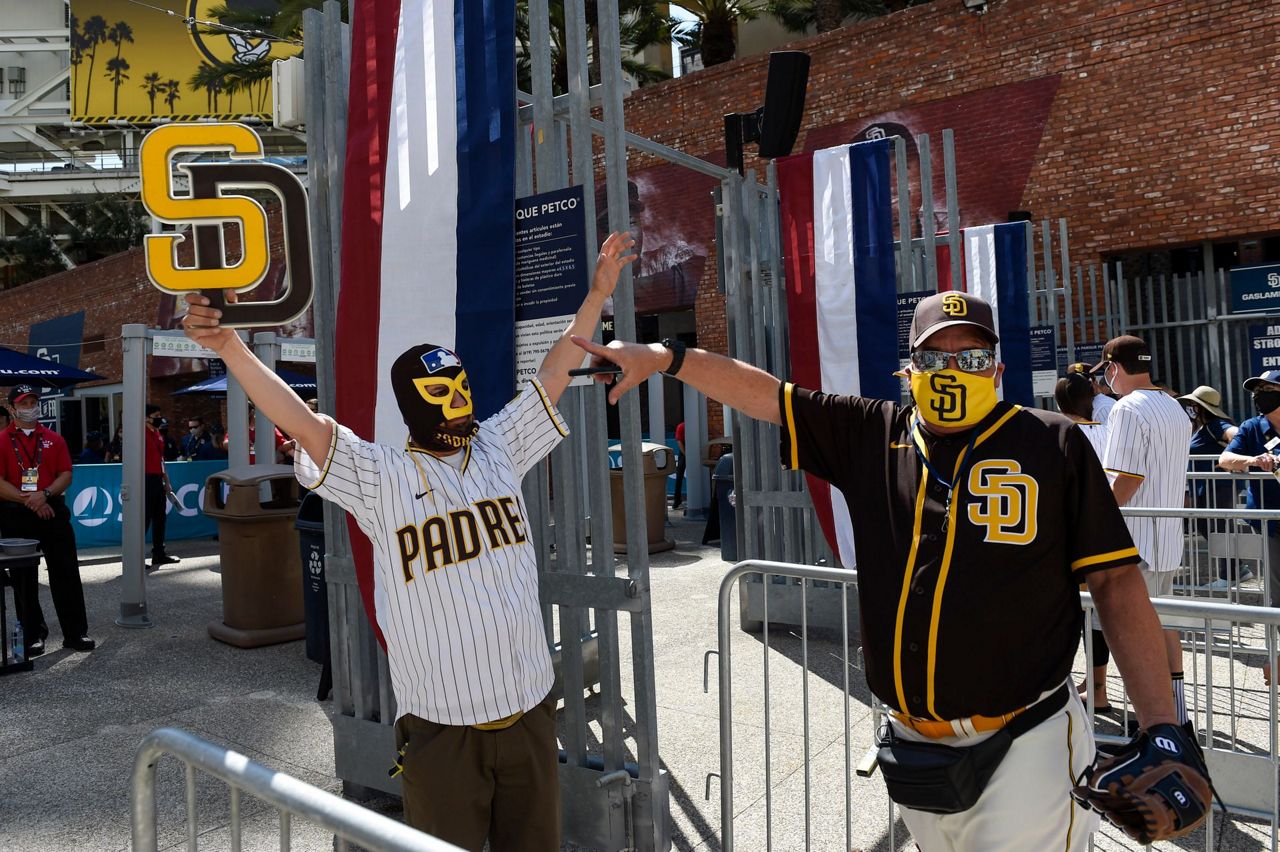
{"x":431,"y":389}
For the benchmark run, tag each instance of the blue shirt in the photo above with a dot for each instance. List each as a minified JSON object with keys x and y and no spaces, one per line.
{"x":90,"y":456}
{"x":1252,"y":440}
{"x":1207,"y":440}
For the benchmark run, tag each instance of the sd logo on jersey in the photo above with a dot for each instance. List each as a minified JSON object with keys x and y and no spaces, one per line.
{"x":208,"y":207}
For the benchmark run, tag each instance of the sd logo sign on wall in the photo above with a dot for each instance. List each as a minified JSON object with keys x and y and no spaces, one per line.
{"x":210,"y":204}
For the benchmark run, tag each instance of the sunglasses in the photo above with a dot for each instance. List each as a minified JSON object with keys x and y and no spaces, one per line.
{"x":968,"y":360}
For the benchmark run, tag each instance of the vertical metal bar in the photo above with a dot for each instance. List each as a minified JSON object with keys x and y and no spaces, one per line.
{"x":133,"y":590}
{"x":953,"y":207}
{"x":285,"y":831}
{"x":1065,"y":257}
{"x":1122,"y":290}
{"x":192,"y":816}
{"x":1050,"y":279}
{"x":544,"y":152}
{"x":766,"y":585}
{"x":1107,"y":284}
{"x":927,"y":229}
{"x":848,"y":755}
{"x":907,"y":279}
{"x":724,"y":644}
{"x":804,"y":691}
{"x":235,"y":819}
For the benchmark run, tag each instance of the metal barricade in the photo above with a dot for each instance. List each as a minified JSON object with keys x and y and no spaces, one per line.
{"x":289,"y":796}
{"x":820,"y":735}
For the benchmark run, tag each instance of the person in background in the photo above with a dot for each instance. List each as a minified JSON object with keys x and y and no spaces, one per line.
{"x":115,"y":450}
{"x":197,"y":444}
{"x":157,"y":489}
{"x":1148,"y":436}
{"x":94,"y":452}
{"x":170,"y":445}
{"x":1100,"y":400}
{"x":35,"y":473}
{"x":1213,"y":432}
{"x":1075,"y":394}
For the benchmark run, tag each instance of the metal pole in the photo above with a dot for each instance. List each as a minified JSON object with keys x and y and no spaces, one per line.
{"x":953,"y":207}
{"x":133,"y":589}
{"x":237,"y":421}
{"x":266,"y":346}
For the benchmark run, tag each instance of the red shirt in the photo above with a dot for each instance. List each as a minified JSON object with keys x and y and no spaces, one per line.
{"x":154,"y":457}
{"x":55,"y":459}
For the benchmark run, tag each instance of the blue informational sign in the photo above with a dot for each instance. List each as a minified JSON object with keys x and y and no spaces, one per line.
{"x":906,"y":308}
{"x":1044,"y":360}
{"x":1255,"y":288}
{"x":94,"y":500}
{"x":1264,"y":348}
{"x":1085,"y":353}
{"x":57,"y":340}
{"x":551,"y":272}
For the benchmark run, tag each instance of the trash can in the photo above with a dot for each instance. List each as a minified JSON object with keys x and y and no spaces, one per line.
{"x":315,"y":594}
{"x":658,"y":461}
{"x":256,"y":506}
{"x":722,"y":481}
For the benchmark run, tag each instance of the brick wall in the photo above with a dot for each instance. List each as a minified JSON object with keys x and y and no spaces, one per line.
{"x":1145,"y":123}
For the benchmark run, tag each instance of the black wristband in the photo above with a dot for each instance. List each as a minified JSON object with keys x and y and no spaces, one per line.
{"x":677,"y":348}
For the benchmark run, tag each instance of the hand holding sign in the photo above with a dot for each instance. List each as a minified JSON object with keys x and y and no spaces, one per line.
{"x":209,"y":207}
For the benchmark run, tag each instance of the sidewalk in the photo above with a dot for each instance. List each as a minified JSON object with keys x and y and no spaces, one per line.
{"x":68,"y":730}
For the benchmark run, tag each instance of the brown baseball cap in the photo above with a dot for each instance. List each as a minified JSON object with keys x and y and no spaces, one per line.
{"x":1128,"y":351}
{"x":943,"y":310}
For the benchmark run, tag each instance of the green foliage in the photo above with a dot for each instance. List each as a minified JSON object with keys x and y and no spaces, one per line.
{"x":99,"y":226}
{"x":802,"y":16}
{"x":31,"y":255}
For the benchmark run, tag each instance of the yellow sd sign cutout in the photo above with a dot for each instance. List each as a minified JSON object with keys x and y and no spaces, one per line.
{"x":208,"y":207}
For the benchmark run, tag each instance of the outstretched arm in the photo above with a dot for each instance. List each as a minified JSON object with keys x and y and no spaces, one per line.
{"x":734,"y":383}
{"x":563,"y":356}
{"x":268,"y":391}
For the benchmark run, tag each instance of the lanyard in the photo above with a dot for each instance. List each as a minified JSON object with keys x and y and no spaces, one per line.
{"x":20,"y":455}
{"x":965,"y":461}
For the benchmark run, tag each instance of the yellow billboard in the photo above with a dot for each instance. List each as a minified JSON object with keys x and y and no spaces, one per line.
{"x":177,"y":60}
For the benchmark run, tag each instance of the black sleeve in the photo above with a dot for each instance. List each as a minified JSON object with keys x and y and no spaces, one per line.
{"x":1097,"y":537}
{"x":822,"y":432}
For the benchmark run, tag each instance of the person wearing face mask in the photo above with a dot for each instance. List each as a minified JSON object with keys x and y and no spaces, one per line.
{"x":1148,"y":442}
{"x":974,"y":522}
{"x":157,"y":488}
{"x":1255,"y":446}
{"x":35,"y":473}
{"x":455,"y":571}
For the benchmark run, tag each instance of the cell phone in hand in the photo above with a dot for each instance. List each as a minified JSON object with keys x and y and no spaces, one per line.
{"x":173,"y":498}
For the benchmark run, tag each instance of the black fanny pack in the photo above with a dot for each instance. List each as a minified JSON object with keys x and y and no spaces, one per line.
{"x":943,"y":779}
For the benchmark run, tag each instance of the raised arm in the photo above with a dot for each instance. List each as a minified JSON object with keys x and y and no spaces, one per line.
{"x":268,"y":391}
{"x":564,"y":356}
{"x":741,"y":386}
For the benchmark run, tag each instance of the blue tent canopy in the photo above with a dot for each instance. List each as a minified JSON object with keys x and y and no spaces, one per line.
{"x":217,"y":385}
{"x":19,"y":369}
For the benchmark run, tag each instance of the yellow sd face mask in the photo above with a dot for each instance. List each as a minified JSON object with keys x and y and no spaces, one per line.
{"x":440,"y":390}
{"x":952,"y":398}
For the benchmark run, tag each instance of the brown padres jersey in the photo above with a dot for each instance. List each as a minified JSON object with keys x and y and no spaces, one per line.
{"x":969,"y":596}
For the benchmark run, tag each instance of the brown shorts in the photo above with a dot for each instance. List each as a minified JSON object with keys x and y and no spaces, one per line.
{"x":463,"y":785}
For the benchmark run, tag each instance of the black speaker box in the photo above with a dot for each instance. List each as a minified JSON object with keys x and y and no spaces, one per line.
{"x":783,"y":102}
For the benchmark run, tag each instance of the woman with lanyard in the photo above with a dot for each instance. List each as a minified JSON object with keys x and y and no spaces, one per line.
{"x":35,"y":472}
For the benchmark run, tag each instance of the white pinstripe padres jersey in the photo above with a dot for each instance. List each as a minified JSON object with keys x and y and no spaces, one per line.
{"x":1097,"y":435}
{"x":455,"y":572}
{"x":1149,"y":436}
{"x":1102,"y":405}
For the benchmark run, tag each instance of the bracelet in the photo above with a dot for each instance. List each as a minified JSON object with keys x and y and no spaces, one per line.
{"x":677,"y":348}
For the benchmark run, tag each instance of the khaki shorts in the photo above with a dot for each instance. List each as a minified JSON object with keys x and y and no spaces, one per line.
{"x":1159,"y":583}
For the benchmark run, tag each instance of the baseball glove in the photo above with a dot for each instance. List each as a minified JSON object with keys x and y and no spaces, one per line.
{"x":1156,"y":788}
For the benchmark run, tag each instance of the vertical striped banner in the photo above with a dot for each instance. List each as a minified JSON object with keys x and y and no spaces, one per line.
{"x":428,"y":227}
{"x":996,"y":270}
{"x":837,"y":230}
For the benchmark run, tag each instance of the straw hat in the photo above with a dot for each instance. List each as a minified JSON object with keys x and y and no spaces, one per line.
{"x":1208,"y":399}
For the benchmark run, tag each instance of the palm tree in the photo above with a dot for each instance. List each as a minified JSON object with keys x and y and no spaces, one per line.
{"x":642,"y":25}
{"x":77,"y":56}
{"x":171,"y":93}
{"x":116,"y":67}
{"x":715,"y":26}
{"x":803,"y":16}
{"x":95,"y":33}
{"x":119,"y":33}
{"x":151,"y":85}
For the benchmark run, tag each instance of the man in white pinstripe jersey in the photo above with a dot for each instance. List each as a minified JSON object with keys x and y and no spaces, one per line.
{"x":455,"y":573}
{"x":1148,"y":441}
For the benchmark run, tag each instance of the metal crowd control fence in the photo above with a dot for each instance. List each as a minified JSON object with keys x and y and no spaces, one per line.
{"x":289,"y":796}
{"x":821,"y":733}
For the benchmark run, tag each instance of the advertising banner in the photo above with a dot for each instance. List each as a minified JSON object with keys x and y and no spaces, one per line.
{"x":1255,"y":288}
{"x":138,"y":62}
{"x":94,"y":500}
{"x":1264,"y":348}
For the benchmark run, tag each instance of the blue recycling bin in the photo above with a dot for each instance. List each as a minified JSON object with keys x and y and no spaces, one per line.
{"x":722,"y":480}
{"x":315,"y":594}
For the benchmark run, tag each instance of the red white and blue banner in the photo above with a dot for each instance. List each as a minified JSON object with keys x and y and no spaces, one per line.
{"x":995,"y":264}
{"x":428,"y":229}
{"x":837,"y":233}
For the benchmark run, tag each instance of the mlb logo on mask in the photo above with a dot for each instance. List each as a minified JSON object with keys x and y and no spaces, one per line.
{"x":439,"y":359}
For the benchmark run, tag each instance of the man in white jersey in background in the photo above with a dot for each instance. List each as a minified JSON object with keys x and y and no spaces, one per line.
{"x":1148,"y":441}
{"x":455,"y":572}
